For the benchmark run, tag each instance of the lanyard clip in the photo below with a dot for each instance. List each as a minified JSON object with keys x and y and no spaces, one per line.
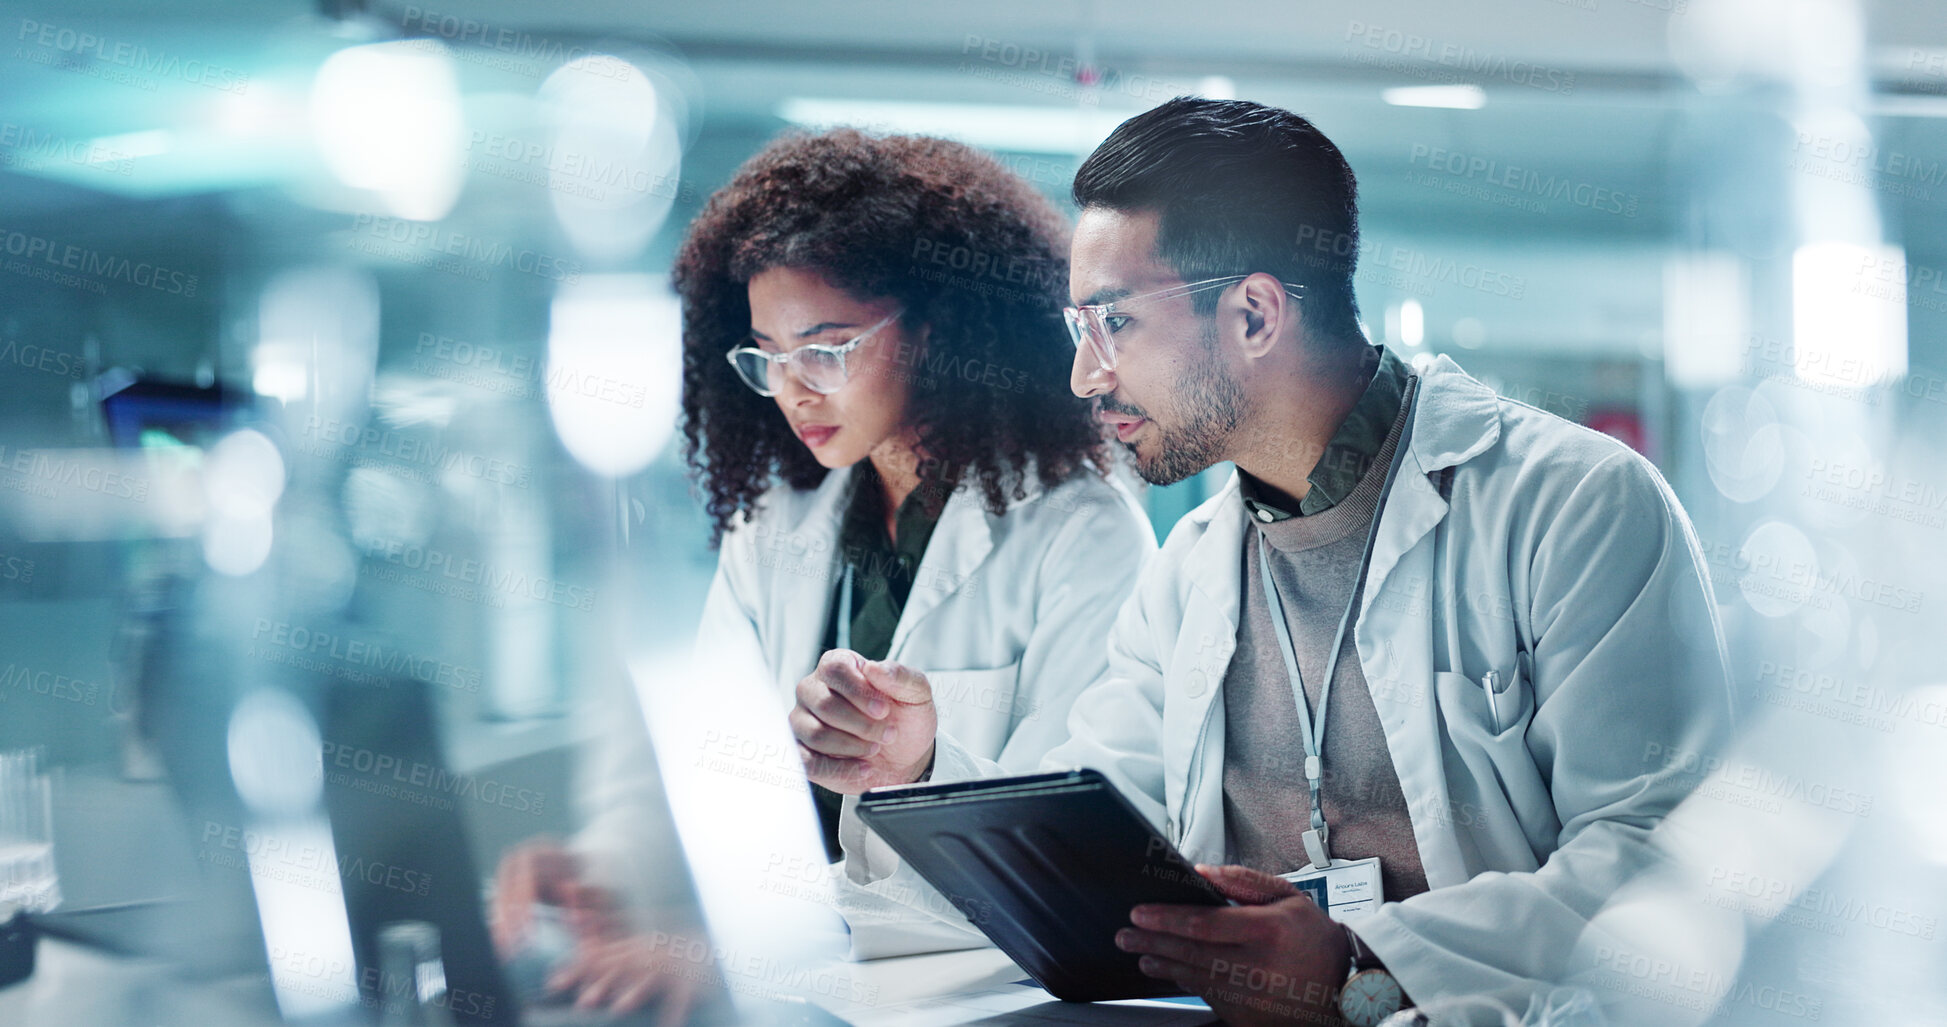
{"x":1315,"y":847}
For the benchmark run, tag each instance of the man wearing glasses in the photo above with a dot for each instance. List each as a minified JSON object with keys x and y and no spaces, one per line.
{"x":1415,"y":649}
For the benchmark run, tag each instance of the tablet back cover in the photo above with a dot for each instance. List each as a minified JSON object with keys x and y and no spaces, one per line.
{"x":1048,"y":867}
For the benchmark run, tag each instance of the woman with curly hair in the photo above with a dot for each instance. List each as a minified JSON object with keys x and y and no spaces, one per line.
{"x":876,"y":404}
{"x":875,"y":397}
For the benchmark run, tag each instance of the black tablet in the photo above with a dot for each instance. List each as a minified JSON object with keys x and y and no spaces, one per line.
{"x":1047,"y":866}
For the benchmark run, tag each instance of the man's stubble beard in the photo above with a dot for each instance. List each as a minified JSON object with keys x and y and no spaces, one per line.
{"x":1213,"y":407}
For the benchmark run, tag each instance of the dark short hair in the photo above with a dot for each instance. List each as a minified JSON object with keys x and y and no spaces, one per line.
{"x":1240,"y":188}
{"x":964,"y":246}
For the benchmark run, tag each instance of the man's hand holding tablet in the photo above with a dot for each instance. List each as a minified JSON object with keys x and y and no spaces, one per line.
{"x":1274,"y":958}
{"x":863,"y":723}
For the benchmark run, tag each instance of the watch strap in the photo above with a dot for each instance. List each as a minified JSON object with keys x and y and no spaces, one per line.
{"x":1363,"y":958}
{"x":1365,"y":961}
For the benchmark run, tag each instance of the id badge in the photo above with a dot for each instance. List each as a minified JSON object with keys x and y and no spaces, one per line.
{"x":1347,"y":888}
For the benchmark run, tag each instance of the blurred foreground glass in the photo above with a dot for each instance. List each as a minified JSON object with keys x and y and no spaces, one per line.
{"x":27,"y":877}
{"x":412,"y":976}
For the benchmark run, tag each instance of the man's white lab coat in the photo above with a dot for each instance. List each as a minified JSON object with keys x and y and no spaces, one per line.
{"x":1513,"y":542}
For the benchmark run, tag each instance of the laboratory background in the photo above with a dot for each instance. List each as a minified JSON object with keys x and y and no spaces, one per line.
{"x":337,"y":344}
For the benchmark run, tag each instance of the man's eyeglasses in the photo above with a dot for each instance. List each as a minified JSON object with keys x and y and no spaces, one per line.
{"x":820,"y":368}
{"x":1096,"y":324}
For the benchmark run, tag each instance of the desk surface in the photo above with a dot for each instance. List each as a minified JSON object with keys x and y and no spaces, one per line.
{"x":74,"y":984}
{"x":122,"y":827}
{"x":80,"y":986}
{"x":977,"y":986}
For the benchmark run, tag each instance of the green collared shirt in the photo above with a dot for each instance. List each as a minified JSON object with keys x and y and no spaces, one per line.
{"x":882,"y":579}
{"x":1351,"y":451}
{"x":882,"y":567}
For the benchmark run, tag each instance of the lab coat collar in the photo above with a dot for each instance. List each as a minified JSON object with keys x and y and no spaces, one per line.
{"x":961,"y":541}
{"x":960,"y":544}
{"x":1213,"y":559}
{"x":1455,"y":418}
{"x":826,"y":511}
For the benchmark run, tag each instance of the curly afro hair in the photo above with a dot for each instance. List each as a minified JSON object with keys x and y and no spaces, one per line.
{"x":964,"y":245}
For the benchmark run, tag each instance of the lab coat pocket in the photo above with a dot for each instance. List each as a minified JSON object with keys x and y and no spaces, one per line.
{"x":1495,"y":706}
{"x":977,"y":706}
{"x":1490,"y":739}
{"x":1491,"y":711}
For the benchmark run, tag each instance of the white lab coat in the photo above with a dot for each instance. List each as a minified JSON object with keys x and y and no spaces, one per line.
{"x":1561,"y":561}
{"x":1006,"y":618}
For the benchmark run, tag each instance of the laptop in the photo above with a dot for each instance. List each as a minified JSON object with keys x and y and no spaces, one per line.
{"x":311,"y":898}
{"x":738,"y":815}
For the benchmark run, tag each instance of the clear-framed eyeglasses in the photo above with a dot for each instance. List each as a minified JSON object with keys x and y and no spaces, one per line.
{"x":1096,"y":324}
{"x":821,"y":368}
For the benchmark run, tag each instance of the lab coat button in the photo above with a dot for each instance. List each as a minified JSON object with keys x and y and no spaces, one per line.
{"x":1198,"y":682}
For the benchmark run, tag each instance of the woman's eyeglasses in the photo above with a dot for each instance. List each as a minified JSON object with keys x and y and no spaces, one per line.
{"x":820,"y":368}
{"x":1095,"y":324}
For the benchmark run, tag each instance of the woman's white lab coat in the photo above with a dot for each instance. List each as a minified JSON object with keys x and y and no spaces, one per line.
{"x":1007,"y":619}
{"x":1513,"y":542}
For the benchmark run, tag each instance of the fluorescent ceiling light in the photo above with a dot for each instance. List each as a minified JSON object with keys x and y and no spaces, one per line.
{"x":388,"y":117}
{"x":1849,"y":313}
{"x":134,"y":144}
{"x":1907,"y":106}
{"x":1460,"y":98}
{"x":1217,"y":87}
{"x":1412,"y":323}
{"x":992,"y":126}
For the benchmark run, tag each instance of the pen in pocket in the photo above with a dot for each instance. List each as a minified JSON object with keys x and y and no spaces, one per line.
{"x":1492,"y":683}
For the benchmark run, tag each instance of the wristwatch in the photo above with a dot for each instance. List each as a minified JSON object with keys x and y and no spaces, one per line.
{"x":1370,"y":994}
